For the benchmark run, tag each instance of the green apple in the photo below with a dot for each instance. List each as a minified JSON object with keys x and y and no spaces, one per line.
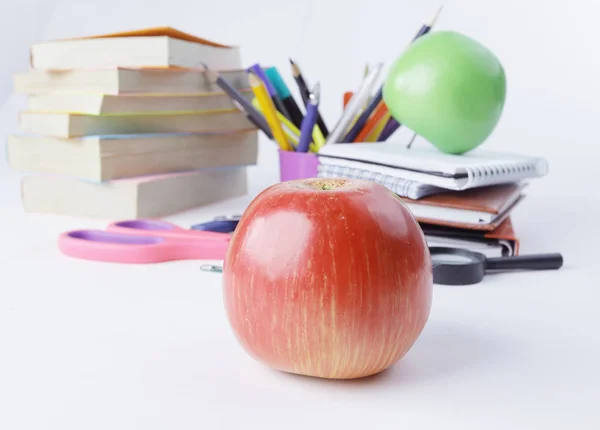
{"x":449,"y":89}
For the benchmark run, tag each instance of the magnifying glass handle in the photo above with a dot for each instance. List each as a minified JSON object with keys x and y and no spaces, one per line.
{"x":525,"y":262}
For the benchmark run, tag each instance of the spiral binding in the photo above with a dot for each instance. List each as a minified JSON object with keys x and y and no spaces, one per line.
{"x":494,"y":173}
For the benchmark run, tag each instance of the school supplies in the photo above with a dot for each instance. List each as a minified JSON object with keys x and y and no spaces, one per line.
{"x":453,"y":266}
{"x":149,"y":47}
{"x":482,"y":208}
{"x":261,"y":94}
{"x":304,"y":92}
{"x":260,"y":73}
{"x":105,"y":158}
{"x":241,"y":102}
{"x":284,"y":93}
{"x":390,"y":127}
{"x":354,"y":105}
{"x":500,"y":242}
{"x":378,"y":98}
{"x":427,"y":165}
{"x":142,"y":241}
{"x":291,"y":131}
{"x":309,"y":120}
{"x":140,"y":196}
{"x":378,"y":114}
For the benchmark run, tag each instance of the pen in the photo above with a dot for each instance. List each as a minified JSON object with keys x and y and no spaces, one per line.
{"x":360,"y":122}
{"x":240,"y":101}
{"x":372,"y":122}
{"x":354,"y":105}
{"x":258,"y":71}
{"x":261,"y":94}
{"x":304,"y":92}
{"x":308,"y":123}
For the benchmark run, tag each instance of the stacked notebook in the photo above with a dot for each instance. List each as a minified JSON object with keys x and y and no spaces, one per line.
{"x":459,"y":200}
{"x":130,"y":125}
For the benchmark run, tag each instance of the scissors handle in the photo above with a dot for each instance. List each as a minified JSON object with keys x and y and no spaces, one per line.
{"x":526,"y":262}
{"x":151,"y":227}
{"x":99,"y":245}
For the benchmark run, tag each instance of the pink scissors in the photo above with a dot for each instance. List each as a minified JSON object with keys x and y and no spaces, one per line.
{"x":144,"y":241}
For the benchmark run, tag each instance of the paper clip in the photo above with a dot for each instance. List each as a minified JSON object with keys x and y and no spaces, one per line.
{"x":211,"y":268}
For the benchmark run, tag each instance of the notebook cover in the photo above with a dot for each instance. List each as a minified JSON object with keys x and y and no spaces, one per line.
{"x":481,"y":227}
{"x":492,"y":199}
{"x":503,"y":231}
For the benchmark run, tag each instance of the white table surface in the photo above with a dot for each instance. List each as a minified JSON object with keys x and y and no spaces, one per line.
{"x":86,"y":345}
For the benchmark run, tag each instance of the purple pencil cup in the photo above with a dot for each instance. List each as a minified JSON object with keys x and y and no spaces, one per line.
{"x":297,"y":165}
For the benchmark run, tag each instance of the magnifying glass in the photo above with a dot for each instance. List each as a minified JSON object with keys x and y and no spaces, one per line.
{"x":455,"y":266}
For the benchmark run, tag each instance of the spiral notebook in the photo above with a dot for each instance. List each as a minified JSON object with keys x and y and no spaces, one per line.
{"x":427,"y":166}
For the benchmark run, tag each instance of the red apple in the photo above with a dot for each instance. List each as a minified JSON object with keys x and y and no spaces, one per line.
{"x":328,"y":278}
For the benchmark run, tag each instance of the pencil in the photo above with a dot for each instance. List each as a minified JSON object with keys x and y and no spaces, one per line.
{"x":261,"y":94}
{"x":308,"y":123}
{"x":295,"y":114}
{"x":304,"y":92}
{"x":389,"y":129}
{"x":354,"y":105}
{"x":291,"y":131}
{"x":379,"y":113}
{"x":360,"y":122}
{"x":240,"y":101}
{"x":258,"y":71}
{"x":376,"y":132}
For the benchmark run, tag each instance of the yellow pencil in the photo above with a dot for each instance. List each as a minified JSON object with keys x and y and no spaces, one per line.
{"x":374,"y":134}
{"x":268,"y":108}
{"x":291,"y":131}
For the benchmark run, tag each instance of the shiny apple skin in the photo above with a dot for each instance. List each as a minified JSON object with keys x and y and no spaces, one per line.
{"x":327,"y":283}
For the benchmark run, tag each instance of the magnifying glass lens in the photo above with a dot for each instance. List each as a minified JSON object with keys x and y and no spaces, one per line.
{"x":450,"y":259}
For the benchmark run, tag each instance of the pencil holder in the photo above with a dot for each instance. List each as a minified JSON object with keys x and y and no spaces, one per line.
{"x":297,"y":165}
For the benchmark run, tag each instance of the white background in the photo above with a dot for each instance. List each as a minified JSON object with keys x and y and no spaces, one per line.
{"x":85,"y":345}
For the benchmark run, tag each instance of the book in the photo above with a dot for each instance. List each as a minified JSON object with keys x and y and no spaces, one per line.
{"x":141,"y":197}
{"x":102,"y":158}
{"x":428,"y":165}
{"x":479,"y":208}
{"x":106,"y":104}
{"x":73,"y":125}
{"x":118,"y":81}
{"x":150,"y":47}
{"x":500,"y":242}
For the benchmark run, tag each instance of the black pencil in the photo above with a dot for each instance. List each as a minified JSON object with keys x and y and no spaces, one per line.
{"x":305,"y":93}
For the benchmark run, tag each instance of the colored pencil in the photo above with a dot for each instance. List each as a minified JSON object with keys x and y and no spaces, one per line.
{"x":379,"y":113}
{"x":361,"y":121}
{"x":354,"y":105}
{"x":260,"y":92}
{"x":258,"y":71}
{"x":285,"y":95}
{"x":376,"y":132}
{"x":240,"y":101}
{"x":347,"y":97}
{"x":304,"y":92}
{"x":291,"y":131}
{"x":389,"y":129}
{"x":309,"y":121}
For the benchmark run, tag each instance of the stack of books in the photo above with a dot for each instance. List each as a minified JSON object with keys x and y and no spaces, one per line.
{"x":460,"y":201}
{"x":131,"y":125}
